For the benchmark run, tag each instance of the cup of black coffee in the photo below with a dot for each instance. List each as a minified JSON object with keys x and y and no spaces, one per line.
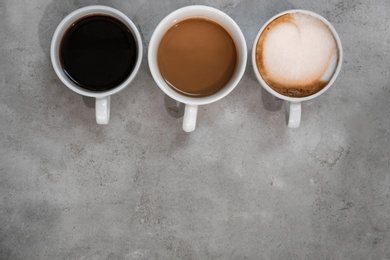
{"x":96,"y":51}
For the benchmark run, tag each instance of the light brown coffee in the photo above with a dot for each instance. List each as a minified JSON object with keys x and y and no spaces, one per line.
{"x":197,"y":57}
{"x":297,"y":55}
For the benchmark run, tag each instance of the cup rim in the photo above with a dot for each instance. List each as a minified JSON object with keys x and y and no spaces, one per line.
{"x":73,"y":17}
{"x":335,"y":74}
{"x":175,"y":17}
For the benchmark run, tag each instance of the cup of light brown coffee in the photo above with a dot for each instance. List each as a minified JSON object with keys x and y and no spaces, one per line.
{"x":197,"y":55}
{"x":296,"y":57}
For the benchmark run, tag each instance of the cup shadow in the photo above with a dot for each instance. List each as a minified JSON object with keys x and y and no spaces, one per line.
{"x":89,"y":101}
{"x":173,"y":107}
{"x":270,"y":102}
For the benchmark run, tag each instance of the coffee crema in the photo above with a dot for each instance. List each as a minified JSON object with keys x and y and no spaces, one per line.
{"x":297,"y":55}
{"x":98,"y":52}
{"x":197,"y":57}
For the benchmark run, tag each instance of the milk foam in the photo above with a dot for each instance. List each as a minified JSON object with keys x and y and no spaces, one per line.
{"x":297,"y":51}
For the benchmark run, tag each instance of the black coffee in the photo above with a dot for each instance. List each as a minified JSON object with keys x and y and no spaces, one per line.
{"x":98,"y":52}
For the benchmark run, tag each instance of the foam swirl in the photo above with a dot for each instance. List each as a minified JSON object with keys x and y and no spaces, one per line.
{"x":297,"y":55}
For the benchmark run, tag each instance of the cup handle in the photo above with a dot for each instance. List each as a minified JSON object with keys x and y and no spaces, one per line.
{"x":189,"y":120}
{"x":102,"y":107}
{"x":293,"y":113}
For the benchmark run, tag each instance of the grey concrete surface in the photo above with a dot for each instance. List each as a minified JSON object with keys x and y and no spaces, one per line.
{"x":242,"y":186}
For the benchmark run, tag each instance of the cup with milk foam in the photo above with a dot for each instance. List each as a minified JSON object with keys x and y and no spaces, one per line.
{"x":296,"y":57}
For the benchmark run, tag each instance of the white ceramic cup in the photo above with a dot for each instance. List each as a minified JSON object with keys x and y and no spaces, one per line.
{"x":293,"y":104}
{"x":102,"y":106}
{"x":192,"y":103}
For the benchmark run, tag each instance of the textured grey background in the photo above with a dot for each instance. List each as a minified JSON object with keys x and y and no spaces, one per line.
{"x":242,"y":186}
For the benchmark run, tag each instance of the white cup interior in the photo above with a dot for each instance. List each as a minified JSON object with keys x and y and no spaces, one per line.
{"x":63,"y":27}
{"x":197,"y":11}
{"x":331,"y":81}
